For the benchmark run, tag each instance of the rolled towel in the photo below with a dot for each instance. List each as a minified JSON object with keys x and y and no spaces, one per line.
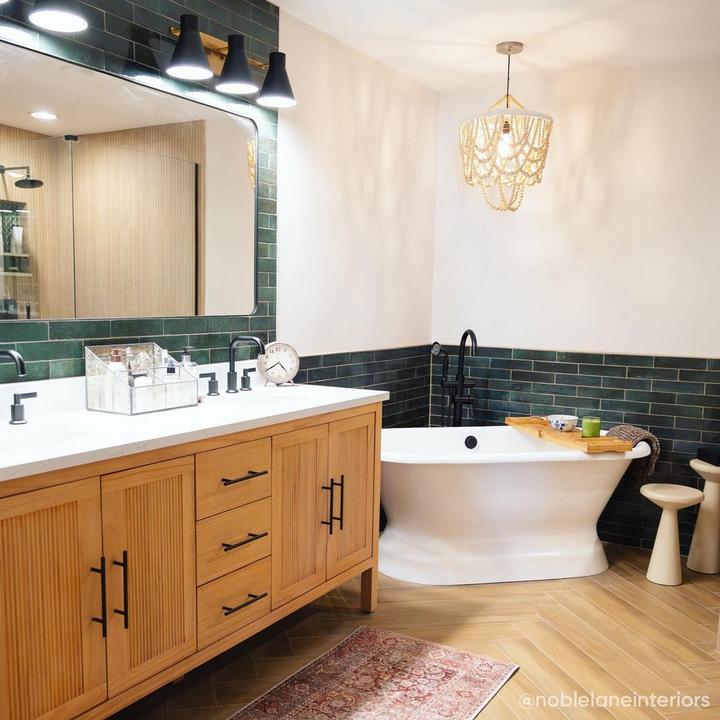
{"x":641,"y":468}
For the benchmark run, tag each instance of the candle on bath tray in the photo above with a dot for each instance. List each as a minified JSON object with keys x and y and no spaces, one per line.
{"x":591,"y":427}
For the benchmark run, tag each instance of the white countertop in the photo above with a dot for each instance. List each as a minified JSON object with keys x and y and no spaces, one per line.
{"x":65,"y":435}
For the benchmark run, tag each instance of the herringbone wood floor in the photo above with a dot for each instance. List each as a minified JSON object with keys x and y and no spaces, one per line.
{"x":612,"y":634}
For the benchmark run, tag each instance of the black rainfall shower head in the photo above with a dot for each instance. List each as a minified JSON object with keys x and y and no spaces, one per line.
{"x":28,"y":183}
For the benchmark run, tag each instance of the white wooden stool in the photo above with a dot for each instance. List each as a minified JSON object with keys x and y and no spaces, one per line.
{"x":665,"y":568}
{"x":704,"y":554}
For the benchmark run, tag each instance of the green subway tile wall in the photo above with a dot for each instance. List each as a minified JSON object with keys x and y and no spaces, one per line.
{"x":676,"y":398}
{"x":125,"y":35}
{"x":403,"y":372}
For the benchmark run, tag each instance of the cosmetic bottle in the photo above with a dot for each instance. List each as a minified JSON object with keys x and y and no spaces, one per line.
{"x":16,"y":240}
{"x":187,"y":362}
{"x":113,"y":385}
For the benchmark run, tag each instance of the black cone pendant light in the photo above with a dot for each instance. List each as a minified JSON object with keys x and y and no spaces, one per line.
{"x":236,"y":78}
{"x":276,"y":90}
{"x":65,"y":16}
{"x":189,"y":61}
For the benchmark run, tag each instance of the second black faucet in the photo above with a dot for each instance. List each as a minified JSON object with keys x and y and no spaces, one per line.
{"x":232,"y":378}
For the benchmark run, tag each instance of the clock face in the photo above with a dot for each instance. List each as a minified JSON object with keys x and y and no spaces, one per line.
{"x":280,"y":364}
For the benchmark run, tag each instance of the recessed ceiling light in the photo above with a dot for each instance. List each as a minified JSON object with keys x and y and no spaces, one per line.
{"x":43,"y":115}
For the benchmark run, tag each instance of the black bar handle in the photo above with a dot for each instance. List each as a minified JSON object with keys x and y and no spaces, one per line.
{"x":340,"y":518}
{"x":252,"y":537}
{"x":250,"y":475}
{"x":103,"y":590}
{"x":251,"y":599}
{"x":331,"y":517}
{"x":124,"y":566}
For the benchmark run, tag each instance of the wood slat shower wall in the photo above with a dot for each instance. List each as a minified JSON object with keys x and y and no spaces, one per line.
{"x":134,"y":200}
{"x":48,"y":227}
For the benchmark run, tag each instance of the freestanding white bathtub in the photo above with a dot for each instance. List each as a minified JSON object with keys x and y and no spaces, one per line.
{"x":512,"y":508}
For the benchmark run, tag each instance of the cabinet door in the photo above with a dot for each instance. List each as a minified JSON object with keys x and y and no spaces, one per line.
{"x":149,"y":539}
{"x":52,"y":654}
{"x":351,"y":467}
{"x":300,"y":506}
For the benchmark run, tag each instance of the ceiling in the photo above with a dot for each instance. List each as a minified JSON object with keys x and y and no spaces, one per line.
{"x":85,"y":101}
{"x":450,"y":44}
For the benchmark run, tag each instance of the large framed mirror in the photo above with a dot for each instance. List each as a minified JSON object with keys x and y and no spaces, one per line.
{"x":120,"y":200}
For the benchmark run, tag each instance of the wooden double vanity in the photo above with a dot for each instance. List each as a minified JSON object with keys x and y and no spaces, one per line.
{"x":120,"y":575}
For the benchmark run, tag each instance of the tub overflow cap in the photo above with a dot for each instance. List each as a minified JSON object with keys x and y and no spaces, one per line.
{"x":471,"y":442}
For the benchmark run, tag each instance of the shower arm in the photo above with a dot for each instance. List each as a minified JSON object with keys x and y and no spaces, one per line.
{"x":4,"y":169}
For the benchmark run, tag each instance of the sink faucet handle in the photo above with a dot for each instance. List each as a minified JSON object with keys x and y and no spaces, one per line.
{"x":212,"y":383}
{"x":245,"y":380}
{"x":17,"y":409}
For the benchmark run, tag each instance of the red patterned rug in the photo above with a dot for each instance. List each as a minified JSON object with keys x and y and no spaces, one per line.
{"x":375,"y":674}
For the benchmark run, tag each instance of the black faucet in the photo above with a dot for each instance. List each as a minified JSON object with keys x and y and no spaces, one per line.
{"x":459,"y":398}
{"x":232,"y":375}
{"x":17,"y":358}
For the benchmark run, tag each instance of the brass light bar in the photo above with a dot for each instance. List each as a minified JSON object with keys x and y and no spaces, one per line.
{"x":217,"y":50}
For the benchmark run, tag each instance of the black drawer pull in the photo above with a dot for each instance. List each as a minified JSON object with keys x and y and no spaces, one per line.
{"x":252,"y":537}
{"x":251,"y":599}
{"x":103,"y":589}
{"x":124,"y":566}
{"x":250,"y":475}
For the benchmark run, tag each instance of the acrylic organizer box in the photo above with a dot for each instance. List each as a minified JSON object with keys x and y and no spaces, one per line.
{"x":135,"y":379}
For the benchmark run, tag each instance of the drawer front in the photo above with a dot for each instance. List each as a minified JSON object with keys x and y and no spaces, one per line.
{"x":233,"y":476}
{"x":233,"y":601}
{"x":232,"y":539}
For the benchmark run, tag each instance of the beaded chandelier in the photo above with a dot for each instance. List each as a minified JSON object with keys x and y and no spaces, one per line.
{"x":504,"y":150}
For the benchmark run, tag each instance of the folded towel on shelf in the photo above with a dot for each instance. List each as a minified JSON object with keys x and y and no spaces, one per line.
{"x":641,"y":468}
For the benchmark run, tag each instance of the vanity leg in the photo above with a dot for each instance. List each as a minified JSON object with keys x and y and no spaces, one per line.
{"x":369,"y":589}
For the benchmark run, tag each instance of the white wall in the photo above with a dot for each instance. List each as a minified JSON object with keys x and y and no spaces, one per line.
{"x":619,"y":248}
{"x":229,"y":210}
{"x":356,"y":192}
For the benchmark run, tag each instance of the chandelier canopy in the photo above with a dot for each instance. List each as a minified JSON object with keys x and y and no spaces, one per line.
{"x":504,"y":150}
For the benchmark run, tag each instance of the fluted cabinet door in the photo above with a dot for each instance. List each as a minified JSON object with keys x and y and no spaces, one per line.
{"x":52,"y":654}
{"x":149,"y":540}
{"x":352,"y":470}
{"x":300,"y":506}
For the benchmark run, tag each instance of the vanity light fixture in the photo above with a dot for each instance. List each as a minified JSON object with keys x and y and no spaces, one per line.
{"x":504,"y":150}
{"x":188,"y":61}
{"x":63,"y":16}
{"x":236,"y":78}
{"x":276,"y":91}
{"x":43,"y":115}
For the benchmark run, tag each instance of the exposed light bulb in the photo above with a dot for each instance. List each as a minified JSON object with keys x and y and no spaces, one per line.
{"x":505,"y":147}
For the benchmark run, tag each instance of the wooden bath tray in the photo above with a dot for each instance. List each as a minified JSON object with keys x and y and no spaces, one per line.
{"x":539,"y":427}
